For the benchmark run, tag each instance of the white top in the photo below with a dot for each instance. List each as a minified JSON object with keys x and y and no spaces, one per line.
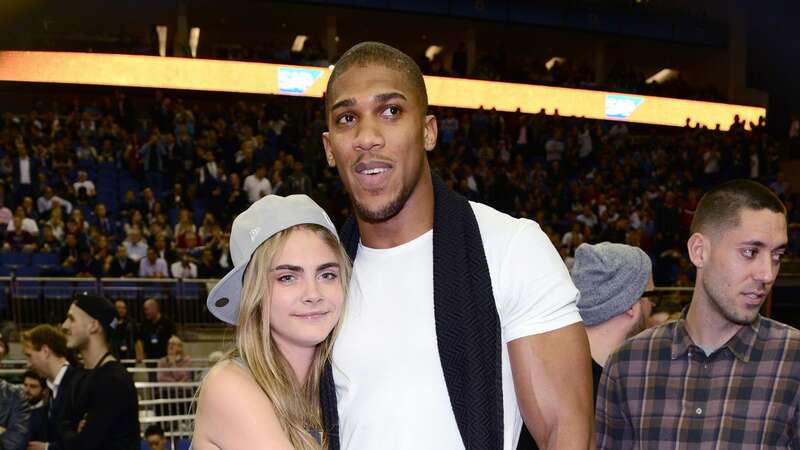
{"x":25,"y":170}
{"x":53,"y":385}
{"x":389,"y":382}
{"x":256,"y":189}
{"x":179,"y":271}
{"x":88,"y":184}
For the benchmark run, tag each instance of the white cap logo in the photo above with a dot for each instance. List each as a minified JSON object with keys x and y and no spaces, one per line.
{"x":253,"y":233}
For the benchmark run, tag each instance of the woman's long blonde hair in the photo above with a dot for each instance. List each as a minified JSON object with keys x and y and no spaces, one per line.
{"x":297,"y":407}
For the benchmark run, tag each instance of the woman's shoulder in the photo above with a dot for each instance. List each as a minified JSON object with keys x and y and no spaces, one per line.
{"x":235,"y":411}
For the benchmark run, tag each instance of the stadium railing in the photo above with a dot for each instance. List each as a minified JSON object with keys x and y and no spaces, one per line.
{"x":29,"y":301}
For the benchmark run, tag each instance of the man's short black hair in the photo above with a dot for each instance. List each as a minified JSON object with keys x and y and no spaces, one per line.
{"x":34,"y":376}
{"x":380,"y":54}
{"x":154,"y":429}
{"x":720,"y":208}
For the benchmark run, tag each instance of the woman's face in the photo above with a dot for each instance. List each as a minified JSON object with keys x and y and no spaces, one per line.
{"x":174,"y":347}
{"x":307,"y":293}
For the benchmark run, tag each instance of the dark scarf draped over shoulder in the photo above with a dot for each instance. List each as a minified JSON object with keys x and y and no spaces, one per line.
{"x":467,"y":325}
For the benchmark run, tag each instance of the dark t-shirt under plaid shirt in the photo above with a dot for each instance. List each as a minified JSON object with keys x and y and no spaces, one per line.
{"x":660,"y":391}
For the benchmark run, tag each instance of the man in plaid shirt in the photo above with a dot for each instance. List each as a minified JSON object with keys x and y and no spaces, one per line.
{"x":721,"y":377}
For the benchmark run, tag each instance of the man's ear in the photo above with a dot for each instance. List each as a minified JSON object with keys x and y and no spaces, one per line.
{"x":326,"y":143}
{"x":698,"y":247}
{"x":431,"y":132}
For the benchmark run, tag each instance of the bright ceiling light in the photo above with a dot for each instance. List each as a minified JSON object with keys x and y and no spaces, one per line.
{"x":299,"y":43}
{"x":432,"y":51}
{"x":552,"y":62}
{"x":663,"y":76}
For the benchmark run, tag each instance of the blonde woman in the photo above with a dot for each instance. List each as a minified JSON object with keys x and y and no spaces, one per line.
{"x":285,"y":295}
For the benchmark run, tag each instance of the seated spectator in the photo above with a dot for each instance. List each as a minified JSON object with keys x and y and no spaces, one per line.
{"x":70,"y":253}
{"x":135,"y":246}
{"x":162,"y":248}
{"x":17,"y":239}
{"x":136,"y":220}
{"x":209,"y":267}
{"x":87,"y":265}
{"x":191,"y":244}
{"x":46,"y":201}
{"x":122,"y":266}
{"x":155,"y":438}
{"x":48,"y":243}
{"x":207,"y":227}
{"x":56,"y":222}
{"x":257,"y":184}
{"x":175,"y":358}
{"x":183,"y":267}
{"x":38,"y":396}
{"x":152,"y":266}
{"x":85,"y":183}
{"x":85,"y":152}
{"x":26,"y":223}
{"x":14,"y":412}
{"x":100,"y":218}
{"x":184,"y":225}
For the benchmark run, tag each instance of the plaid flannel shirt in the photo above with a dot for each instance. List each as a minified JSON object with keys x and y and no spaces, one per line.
{"x":660,"y":391}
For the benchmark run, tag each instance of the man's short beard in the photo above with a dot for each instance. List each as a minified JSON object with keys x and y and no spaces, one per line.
{"x":387,"y":212}
{"x":713,"y":298}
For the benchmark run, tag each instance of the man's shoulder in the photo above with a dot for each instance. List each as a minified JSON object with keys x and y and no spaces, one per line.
{"x":780,"y":334}
{"x":490,"y":219}
{"x":652,"y":343}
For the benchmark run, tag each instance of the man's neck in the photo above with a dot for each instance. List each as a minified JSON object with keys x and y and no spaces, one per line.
{"x":54,"y":367}
{"x":603,"y":340}
{"x":95,"y":351}
{"x":414,"y":220}
{"x":706,"y":326}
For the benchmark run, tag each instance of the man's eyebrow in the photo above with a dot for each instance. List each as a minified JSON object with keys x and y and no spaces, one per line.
{"x":346,"y":103}
{"x":760,"y":244}
{"x":382,"y":98}
{"x":378,"y":98}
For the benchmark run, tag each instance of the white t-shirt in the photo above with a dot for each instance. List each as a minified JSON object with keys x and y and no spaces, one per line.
{"x":256,"y":189}
{"x":389,"y":381}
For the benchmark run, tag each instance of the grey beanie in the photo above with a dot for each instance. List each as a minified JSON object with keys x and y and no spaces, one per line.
{"x":610,"y":277}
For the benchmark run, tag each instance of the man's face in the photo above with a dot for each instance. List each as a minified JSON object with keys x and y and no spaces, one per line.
{"x":33,"y":390}
{"x":150,"y":310}
{"x":157,"y":442}
{"x":377,"y":138}
{"x":121,"y":252}
{"x":122,"y":309}
{"x":742,"y":263}
{"x":76,"y":327}
{"x":36,"y":360}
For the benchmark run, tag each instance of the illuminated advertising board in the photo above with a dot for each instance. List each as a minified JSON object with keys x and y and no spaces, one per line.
{"x":277,"y":79}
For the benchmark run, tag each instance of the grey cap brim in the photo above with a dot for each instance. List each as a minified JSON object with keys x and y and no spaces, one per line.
{"x":223,"y":300}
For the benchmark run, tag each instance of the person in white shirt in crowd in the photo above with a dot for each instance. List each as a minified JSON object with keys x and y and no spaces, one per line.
{"x":84,"y":182}
{"x":152,"y":266}
{"x":135,"y":246}
{"x":257,"y":185}
{"x":27,"y":224}
{"x":184,"y":267}
{"x":46,"y":201}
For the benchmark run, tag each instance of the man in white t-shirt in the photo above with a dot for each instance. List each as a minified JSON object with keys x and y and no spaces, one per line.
{"x":257,"y":185}
{"x":84,"y":182}
{"x":391,"y":390}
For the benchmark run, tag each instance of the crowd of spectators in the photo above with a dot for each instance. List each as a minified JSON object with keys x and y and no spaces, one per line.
{"x":148,"y":188}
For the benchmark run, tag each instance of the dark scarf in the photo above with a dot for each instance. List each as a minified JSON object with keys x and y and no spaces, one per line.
{"x":467,"y":326}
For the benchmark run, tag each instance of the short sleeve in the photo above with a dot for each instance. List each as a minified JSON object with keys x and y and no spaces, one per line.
{"x":536,"y":293}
